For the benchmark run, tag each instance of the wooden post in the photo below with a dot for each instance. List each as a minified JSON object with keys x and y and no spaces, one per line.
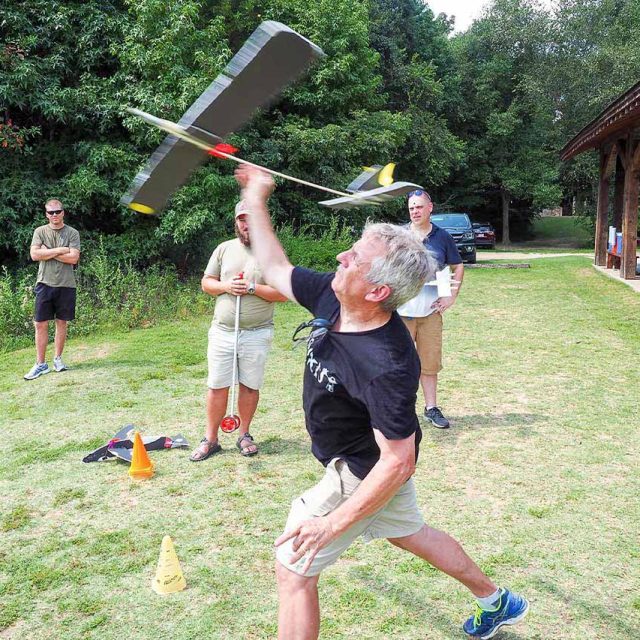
{"x":602,"y":217}
{"x":630,"y":215}
{"x":618,"y":195}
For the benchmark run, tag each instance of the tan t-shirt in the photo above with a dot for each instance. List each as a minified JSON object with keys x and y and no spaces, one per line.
{"x":53,"y":272}
{"x":229,"y":259}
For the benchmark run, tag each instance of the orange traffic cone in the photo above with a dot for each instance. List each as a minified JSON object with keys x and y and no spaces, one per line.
{"x":141,"y":465}
{"x":169,"y":577}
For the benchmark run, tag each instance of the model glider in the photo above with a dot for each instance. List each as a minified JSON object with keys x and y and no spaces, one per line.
{"x":358,"y":197}
{"x":121,"y":445}
{"x":272,"y":57}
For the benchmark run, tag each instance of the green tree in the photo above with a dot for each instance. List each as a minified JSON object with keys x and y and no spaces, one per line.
{"x":417,"y":67}
{"x":592,"y":60}
{"x":507,"y":118}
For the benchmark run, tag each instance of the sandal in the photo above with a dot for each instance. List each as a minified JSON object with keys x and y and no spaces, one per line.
{"x":250,"y":448}
{"x":205,"y":449}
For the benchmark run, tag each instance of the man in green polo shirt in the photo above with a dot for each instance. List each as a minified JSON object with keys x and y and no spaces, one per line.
{"x":56,"y":247}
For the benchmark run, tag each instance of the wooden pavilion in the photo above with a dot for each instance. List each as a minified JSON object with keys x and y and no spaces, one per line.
{"x":616,"y":135}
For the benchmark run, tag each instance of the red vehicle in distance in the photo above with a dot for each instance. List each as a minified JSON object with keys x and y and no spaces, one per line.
{"x":485,"y":235}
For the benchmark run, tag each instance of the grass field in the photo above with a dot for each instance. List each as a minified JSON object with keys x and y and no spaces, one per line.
{"x":555,"y":234}
{"x":538,"y":477}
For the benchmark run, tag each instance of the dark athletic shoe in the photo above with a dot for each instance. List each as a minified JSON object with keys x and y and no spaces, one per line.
{"x":511,"y":608}
{"x":435,"y":417}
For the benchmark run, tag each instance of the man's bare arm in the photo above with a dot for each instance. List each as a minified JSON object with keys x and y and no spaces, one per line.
{"x":69,"y":258}
{"x":39,"y":252}
{"x":444,"y":303}
{"x":257,"y":186}
{"x":213,"y":286}
{"x":395,"y":466}
{"x":458,"y":275}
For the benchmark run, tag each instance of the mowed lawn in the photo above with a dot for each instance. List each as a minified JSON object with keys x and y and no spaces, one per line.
{"x":538,"y":478}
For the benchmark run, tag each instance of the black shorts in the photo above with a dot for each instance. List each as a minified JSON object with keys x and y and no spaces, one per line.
{"x":54,"y":302}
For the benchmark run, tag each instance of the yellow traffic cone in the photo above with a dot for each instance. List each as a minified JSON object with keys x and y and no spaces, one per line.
{"x":141,"y":465}
{"x":169,"y":577}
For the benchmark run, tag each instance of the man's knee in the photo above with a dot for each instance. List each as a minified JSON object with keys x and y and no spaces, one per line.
{"x":291,"y":582}
{"x":248,"y":391}
{"x":41,"y":325}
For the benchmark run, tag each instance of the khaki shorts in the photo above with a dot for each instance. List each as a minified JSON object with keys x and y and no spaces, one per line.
{"x":399,"y":518}
{"x":253,"y":347}
{"x":427,"y":334}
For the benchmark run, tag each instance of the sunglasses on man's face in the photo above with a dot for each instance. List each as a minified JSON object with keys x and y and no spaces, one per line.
{"x":419,"y":192}
{"x":55,"y":212}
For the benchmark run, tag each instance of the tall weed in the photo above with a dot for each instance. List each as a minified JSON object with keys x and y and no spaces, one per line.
{"x":111,"y":294}
{"x":316,"y":251}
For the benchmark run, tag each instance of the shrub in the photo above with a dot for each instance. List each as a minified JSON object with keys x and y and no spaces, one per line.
{"x":111,"y":294}
{"x":16,"y":308}
{"x":316,"y":251}
{"x":114,"y":294}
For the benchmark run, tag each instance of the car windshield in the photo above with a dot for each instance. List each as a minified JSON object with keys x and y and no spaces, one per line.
{"x":457,"y":220}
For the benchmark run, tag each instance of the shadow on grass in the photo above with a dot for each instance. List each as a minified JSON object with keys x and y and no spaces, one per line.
{"x":398,"y":596}
{"x":521,"y":425}
{"x":602,"y":613}
{"x":275,"y":445}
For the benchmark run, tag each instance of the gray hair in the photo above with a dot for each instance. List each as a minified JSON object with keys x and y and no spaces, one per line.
{"x":406,"y":266}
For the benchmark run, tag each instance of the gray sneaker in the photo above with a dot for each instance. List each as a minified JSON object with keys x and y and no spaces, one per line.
{"x":435,"y":417}
{"x":37,"y":370}
{"x":58,"y":365}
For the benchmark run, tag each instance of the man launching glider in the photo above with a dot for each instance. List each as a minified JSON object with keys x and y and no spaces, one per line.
{"x":360,"y":382}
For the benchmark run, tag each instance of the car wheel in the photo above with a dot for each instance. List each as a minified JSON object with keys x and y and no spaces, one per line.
{"x":472,"y":259}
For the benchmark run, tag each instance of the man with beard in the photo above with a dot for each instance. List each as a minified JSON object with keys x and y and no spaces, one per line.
{"x":232,"y":271}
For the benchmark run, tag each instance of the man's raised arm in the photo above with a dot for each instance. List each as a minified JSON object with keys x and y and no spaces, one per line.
{"x":257,"y":186}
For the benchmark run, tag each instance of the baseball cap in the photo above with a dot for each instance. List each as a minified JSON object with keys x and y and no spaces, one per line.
{"x":241,"y":208}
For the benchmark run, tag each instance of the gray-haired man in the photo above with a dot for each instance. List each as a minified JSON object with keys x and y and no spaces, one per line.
{"x":360,"y":383}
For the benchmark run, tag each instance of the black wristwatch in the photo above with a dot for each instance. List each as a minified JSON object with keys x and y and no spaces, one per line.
{"x":251,"y":288}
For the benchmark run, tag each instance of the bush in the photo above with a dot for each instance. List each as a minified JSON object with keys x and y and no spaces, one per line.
{"x":16,"y":309}
{"x":114,"y":294}
{"x":111,"y":294}
{"x":316,"y":252}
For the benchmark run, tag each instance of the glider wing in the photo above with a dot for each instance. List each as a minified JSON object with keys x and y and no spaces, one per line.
{"x":272,"y":57}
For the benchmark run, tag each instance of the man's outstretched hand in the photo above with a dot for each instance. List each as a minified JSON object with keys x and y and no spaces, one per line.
{"x":254,"y":182}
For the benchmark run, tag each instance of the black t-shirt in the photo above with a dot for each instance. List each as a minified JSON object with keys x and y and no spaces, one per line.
{"x":354,"y":382}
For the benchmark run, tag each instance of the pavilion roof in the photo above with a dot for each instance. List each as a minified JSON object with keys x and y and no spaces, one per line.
{"x":623,"y":113}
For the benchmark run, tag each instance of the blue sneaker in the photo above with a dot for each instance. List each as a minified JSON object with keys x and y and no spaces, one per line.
{"x":37,"y":370}
{"x":511,"y":608}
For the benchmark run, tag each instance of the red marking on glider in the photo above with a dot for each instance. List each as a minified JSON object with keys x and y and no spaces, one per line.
{"x":224,"y":148}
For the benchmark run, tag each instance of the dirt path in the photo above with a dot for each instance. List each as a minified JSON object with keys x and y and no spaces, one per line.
{"x":484,"y":256}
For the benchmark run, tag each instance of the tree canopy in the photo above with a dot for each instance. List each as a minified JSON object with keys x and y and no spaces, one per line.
{"x":477,"y":118}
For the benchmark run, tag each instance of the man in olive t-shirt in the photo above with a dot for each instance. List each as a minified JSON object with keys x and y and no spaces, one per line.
{"x":231,"y":272}
{"x":56,"y":247}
